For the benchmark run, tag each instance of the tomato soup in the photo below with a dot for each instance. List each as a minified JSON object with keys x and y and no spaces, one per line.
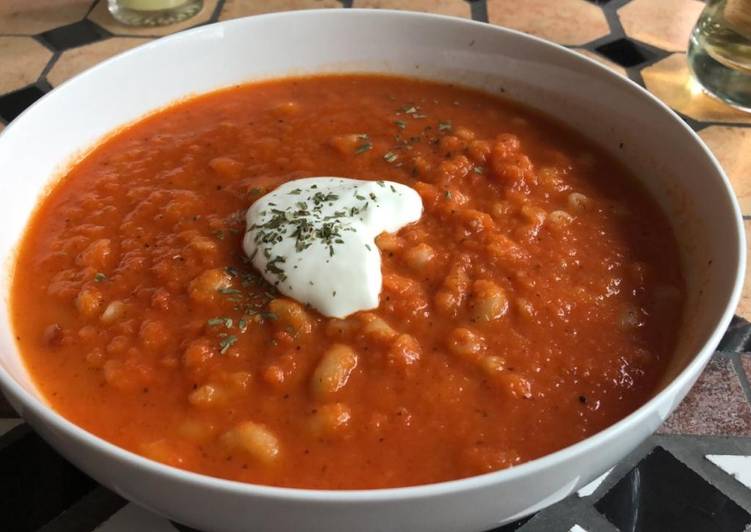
{"x":535,"y":302}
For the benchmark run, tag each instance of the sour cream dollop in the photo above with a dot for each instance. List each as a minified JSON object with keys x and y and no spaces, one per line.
{"x":314,"y":239}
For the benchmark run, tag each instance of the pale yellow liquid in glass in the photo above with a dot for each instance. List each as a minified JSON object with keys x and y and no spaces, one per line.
{"x":720,"y":50}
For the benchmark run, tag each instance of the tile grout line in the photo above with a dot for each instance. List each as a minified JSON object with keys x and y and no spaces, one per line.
{"x":91,"y":8}
{"x":742,"y":377}
{"x":217,"y":11}
{"x":49,"y":66}
{"x":617,"y":32}
{"x":478,"y":10}
{"x":693,"y":455}
{"x":739,"y":125}
{"x":611,"y":16}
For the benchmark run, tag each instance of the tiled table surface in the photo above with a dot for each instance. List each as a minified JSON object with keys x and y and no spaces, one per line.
{"x":667,"y":484}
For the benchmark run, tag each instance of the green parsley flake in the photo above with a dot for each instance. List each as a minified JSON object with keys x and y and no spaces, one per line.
{"x":445,"y":126}
{"x":362,"y":148}
{"x":99,"y":277}
{"x":226,"y":342}
{"x":229,"y":291}
{"x":390,"y":157}
{"x":215,"y":322}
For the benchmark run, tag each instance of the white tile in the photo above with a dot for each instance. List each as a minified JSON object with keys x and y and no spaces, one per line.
{"x":738,"y":466}
{"x":8,"y":424}
{"x":590,"y":488}
{"x":577,"y":528}
{"x":133,"y":518}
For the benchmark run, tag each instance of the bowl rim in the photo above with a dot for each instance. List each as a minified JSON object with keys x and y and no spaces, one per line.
{"x":52,"y":418}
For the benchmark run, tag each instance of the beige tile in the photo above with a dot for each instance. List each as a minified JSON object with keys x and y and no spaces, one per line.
{"x":101,"y":15}
{"x":671,"y":81}
{"x":454,"y":8}
{"x":22,"y":60}
{"x":35,"y":16}
{"x":732,"y":147}
{"x":563,"y":21}
{"x":245,"y":8}
{"x":602,"y":60}
{"x":665,"y":24}
{"x":744,"y":307}
{"x":76,"y":60}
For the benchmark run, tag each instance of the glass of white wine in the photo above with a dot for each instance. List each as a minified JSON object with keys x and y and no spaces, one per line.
{"x":153,"y":12}
{"x":719,"y":52}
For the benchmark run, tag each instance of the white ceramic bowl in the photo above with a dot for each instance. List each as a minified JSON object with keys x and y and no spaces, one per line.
{"x":657,"y":146}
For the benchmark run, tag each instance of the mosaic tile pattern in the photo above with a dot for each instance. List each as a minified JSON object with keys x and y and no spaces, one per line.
{"x":454,"y":8}
{"x":732,"y":147}
{"x":75,"y":60}
{"x":25,"y":17}
{"x":668,"y":483}
{"x":647,"y":499}
{"x":670,"y":80}
{"x":25,"y":59}
{"x":574,"y":22}
{"x":245,"y":8}
{"x":615,"y":67}
{"x":666,"y":24}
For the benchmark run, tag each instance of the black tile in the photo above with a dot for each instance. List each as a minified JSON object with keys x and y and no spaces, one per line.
{"x":598,"y":2}
{"x":72,"y":35}
{"x":6,"y":411}
{"x":88,"y":513}
{"x":661,"y":493}
{"x":625,"y":52}
{"x":738,"y":336}
{"x":14,"y":103}
{"x":183,"y":528}
{"x":510,"y":527}
{"x":478,"y":11}
{"x":36,"y":484}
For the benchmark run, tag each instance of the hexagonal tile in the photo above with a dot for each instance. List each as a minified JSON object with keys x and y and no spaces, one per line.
{"x":602,"y":60}
{"x":76,"y":60}
{"x":245,"y":8}
{"x":454,"y":8}
{"x":744,"y":307}
{"x":732,"y":147}
{"x":101,"y":15}
{"x":628,"y":53}
{"x":23,"y":59}
{"x":671,"y":81}
{"x":566,"y":22}
{"x":30,"y":18}
{"x":16,"y":102}
{"x":665,"y":24}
